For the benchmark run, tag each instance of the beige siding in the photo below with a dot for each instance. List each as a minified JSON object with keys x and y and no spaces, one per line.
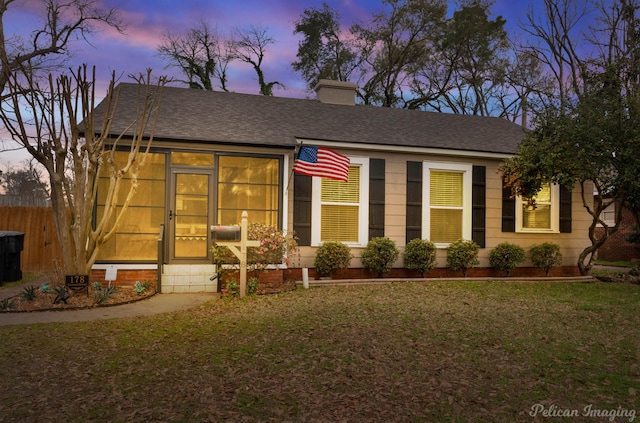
{"x":395,"y":198}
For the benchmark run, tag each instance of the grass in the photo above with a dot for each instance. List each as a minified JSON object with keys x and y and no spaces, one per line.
{"x":416,"y":352}
{"x":614,"y":263}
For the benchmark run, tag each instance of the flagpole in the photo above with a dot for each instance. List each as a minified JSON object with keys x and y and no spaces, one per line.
{"x":295,"y":153}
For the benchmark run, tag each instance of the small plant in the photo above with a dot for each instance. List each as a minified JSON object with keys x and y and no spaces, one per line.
{"x":96,"y":286}
{"x":379,"y":255}
{"x":103,"y":295}
{"x":7,"y":304}
{"x":332,"y":256}
{"x":62,"y":295}
{"x":252,"y":286}
{"x":635,"y":270}
{"x":140,"y":287}
{"x":29,"y":293}
{"x":44,"y":288}
{"x":546,"y":255}
{"x":506,"y":256}
{"x":420,"y":255}
{"x":462,"y":255}
{"x":232,"y":289}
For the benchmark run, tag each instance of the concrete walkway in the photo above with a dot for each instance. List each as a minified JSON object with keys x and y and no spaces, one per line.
{"x":159,"y":303}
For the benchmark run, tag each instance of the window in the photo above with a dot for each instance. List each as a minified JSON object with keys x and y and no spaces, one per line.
{"x":137,"y":236}
{"x":251,"y":184}
{"x":543,"y":217}
{"x":608,"y":216}
{"x":342,"y":208}
{"x":447,"y":199}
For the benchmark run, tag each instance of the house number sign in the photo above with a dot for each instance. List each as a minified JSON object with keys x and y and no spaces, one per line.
{"x":77,"y":283}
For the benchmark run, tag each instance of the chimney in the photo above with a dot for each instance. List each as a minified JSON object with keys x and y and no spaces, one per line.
{"x":336,"y":92}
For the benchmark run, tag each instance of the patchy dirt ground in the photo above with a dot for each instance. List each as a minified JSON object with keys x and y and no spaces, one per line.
{"x":47,"y":301}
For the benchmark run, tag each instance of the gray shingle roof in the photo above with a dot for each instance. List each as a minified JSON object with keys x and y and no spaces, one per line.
{"x":219,"y":117}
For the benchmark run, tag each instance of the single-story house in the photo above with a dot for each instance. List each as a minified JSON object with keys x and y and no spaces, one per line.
{"x":412,"y":174}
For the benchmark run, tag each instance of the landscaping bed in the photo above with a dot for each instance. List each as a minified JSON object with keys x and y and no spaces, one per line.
{"x":44,"y":301}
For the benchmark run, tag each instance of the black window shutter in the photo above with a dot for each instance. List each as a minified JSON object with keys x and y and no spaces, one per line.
{"x":508,"y":210}
{"x":376,"y":197}
{"x":414,"y":201}
{"x":565,"y":209}
{"x":479,"y":205}
{"x":302,"y":208}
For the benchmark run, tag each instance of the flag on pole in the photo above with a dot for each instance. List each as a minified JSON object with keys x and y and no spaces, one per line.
{"x":322,"y":162}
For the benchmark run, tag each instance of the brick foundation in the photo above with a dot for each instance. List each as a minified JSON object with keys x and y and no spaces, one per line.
{"x":616,"y":247}
{"x":125,"y":277}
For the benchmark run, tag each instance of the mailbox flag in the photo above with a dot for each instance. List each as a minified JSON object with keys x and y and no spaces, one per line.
{"x":322,"y":162}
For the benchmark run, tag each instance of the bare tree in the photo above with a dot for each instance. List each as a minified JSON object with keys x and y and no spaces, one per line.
{"x":49,"y":43}
{"x":250,"y":46}
{"x":55,"y":121}
{"x":394,"y":45}
{"x":554,"y":35}
{"x":201,"y":54}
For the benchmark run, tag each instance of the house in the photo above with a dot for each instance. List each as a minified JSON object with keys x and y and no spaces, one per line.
{"x":412,"y":174}
{"x":616,"y":247}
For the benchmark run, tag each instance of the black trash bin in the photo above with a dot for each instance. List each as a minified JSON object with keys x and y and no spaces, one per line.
{"x":11,"y":245}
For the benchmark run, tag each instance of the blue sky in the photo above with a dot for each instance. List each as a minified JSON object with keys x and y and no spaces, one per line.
{"x":147,"y":20}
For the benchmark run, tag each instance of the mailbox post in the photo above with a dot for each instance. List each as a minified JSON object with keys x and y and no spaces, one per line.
{"x":239,"y":248}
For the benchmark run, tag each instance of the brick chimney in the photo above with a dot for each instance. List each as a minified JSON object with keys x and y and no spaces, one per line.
{"x":336,"y":92}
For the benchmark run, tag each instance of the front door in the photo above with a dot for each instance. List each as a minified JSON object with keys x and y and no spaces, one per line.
{"x":190,"y":215}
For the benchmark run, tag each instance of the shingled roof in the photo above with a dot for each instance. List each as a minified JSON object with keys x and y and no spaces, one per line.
{"x":217,"y":117}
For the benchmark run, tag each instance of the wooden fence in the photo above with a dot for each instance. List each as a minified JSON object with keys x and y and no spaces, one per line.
{"x":41,"y":246}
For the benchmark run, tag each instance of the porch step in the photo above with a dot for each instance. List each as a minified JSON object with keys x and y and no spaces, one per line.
{"x":188,"y":278}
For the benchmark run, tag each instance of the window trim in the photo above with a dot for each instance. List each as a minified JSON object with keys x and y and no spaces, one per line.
{"x":554,"y":213}
{"x":363,"y":212}
{"x":467,"y":186}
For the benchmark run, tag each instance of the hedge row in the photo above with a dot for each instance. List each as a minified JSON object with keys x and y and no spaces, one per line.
{"x":420,"y":255}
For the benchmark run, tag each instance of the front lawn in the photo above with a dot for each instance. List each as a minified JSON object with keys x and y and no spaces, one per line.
{"x":403,"y":352}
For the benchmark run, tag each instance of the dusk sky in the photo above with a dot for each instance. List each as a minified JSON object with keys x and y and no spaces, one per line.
{"x":136,"y":50}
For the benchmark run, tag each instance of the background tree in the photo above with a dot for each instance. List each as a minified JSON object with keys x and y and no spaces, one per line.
{"x":393,"y":44}
{"x":48,"y":45}
{"x":473,"y":53}
{"x":250,"y":45}
{"x":324,"y":53}
{"x":201,"y":54}
{"x":45,"y":118}
{"x":410,"y":55}
{"x":24,"y":181}
{"x":590,"y":135}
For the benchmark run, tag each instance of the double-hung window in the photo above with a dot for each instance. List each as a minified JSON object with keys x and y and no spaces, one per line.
{"x":342,"y":208}
{"x":447,"y":202}
{"x":540,"y":215}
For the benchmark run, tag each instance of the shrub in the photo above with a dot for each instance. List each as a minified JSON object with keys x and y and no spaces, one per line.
{"x":462,"y":255}
{"x":420,"y":255}
{"x":379,"y":255}
{"x":45,"y":288}
{"x":275,"y":247}
{"x":546,"y":255}
{"x":332,"y":256}
{"x":233,"y":288}
{"x":506,"y":257}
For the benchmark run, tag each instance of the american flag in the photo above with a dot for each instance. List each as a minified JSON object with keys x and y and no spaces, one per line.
{"x":322,"y":162}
